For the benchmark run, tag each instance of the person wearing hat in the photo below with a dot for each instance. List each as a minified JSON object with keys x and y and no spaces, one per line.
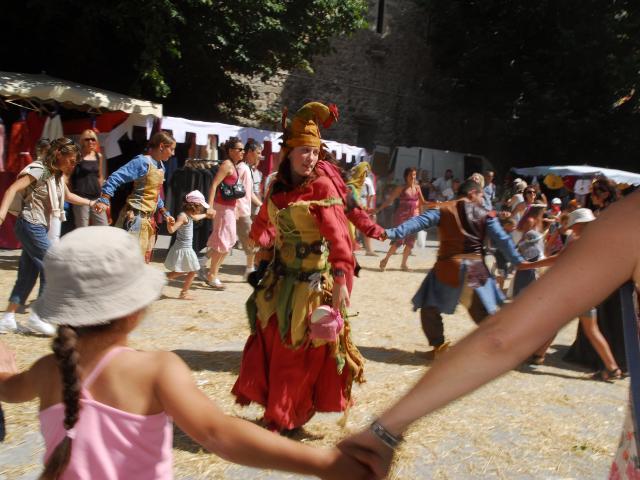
{"x":578,"y":221}
{"x":182,"y":259}
{"x":107,"y":410}
{"x":146,"y":171}
{"x":459,"y":274}
{"x":303,"y":221}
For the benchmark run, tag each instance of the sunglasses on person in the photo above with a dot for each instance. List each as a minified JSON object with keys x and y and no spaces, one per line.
{"x":238,"y":149}
{"x":90,"y":139}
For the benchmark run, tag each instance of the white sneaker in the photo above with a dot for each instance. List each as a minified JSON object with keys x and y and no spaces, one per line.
{"x":34,"y":324}
{"x":8,"y":323}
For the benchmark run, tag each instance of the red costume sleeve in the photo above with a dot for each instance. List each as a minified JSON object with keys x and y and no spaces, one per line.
{"x":262,"y":231}
{"x":332,"y":223}
{"x":362,"y":221}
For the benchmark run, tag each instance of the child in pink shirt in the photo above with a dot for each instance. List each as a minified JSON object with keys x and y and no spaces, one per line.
{"x":106,"y":410}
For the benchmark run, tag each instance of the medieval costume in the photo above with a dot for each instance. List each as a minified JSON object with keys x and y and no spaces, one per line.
{"x":459,"y":274}
{"x":290,"y":373}
{"x":136,"y":217}
{"x":355,"y":183}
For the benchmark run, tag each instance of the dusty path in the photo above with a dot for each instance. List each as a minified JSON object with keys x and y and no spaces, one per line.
{"x":547,"y":422}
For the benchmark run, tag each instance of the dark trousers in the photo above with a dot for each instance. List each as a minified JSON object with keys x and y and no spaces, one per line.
{"x":433,"y":327}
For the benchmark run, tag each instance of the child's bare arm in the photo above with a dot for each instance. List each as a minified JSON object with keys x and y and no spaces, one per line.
{"x":199,"y":216}
{"x":16,"y":387}
{"x":238,"y":440}
{"x":173,"y":227}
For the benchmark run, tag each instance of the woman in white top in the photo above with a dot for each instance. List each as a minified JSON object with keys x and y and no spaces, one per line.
{"x":43,"y":192}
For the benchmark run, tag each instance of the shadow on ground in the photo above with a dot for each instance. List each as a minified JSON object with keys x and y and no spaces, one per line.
{"x":393,"y":356}
{"x":214,"y":361}
{"x":556,"y":359}
{"x":9,"y":262}
{"x":422,"y":271}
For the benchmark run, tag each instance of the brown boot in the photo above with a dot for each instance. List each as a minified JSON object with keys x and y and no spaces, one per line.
{"x":438,"y":351}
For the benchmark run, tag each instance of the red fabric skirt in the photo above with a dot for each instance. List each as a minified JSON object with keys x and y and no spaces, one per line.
{"x":292,"y":384}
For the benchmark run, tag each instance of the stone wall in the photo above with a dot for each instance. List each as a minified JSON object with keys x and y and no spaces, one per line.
{"x":376,"y":79}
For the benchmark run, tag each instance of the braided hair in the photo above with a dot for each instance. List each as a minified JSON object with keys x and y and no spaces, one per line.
{"x":64,"y":348}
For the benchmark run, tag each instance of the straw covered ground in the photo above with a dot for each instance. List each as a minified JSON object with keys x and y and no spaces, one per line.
{"x":543,"y":422}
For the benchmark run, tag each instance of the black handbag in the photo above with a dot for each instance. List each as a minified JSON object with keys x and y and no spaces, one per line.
{"x":232,"y":192}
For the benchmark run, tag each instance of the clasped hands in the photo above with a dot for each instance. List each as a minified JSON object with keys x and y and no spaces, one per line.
{"x":370,"y":452}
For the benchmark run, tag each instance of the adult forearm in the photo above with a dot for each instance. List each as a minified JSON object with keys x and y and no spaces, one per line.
{"x":420,"y":222}
{"x":6,"y":202}
{"x":77,"y":200}
{"x":574,"y":284}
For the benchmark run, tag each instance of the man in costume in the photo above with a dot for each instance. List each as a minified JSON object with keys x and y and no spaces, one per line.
{"x":459,"y":274}
{"x":147,"y":174}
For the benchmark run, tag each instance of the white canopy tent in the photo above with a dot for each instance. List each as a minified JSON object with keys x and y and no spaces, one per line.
{"x":181,"y":126}
{"x":619,"y":176}
{"x":21,"y":87}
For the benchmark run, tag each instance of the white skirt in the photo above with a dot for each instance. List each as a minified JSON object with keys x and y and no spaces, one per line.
{"x":182,"y":260}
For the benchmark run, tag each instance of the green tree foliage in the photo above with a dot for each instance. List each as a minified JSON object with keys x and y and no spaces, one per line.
{"x":547,"y":72}
{"x":186,"y":53}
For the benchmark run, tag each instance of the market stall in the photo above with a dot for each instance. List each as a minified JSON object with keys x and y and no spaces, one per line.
{"x":41,"y":106}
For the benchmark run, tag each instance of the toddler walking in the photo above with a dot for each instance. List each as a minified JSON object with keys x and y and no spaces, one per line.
{"x":107,"y":410}
{"x":181,"y":259}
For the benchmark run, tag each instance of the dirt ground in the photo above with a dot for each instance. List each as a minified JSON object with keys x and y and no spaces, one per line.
{"x":549,"y":422}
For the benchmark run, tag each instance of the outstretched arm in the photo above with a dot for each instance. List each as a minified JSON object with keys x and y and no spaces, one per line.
{"x":16,"y":387}
{"x":362,"y":221}
{"x":503,"y":241}
{"x":14,"y":189}
{"x":577,"y":281}
{"x":427,"y":219}
{"x":238,"y":440}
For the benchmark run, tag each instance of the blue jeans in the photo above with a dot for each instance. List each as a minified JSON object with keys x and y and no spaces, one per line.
{"x":34,"y":247}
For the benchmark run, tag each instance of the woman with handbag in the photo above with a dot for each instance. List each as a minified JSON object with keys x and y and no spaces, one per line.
{"x":225,"y":190}
{"x":41,"y":188}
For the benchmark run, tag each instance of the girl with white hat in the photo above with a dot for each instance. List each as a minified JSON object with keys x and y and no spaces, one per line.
{"x":106,"y":410}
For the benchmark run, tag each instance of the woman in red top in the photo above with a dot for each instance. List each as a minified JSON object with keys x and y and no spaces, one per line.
{"x":223,"y":237}
{"x":285,"y":368}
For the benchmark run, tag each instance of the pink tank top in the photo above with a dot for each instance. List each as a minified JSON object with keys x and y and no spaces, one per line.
{"x":407,"y":206}
{"x":111,"y":444}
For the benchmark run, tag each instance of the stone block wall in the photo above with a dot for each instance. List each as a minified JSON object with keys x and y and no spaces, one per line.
{"x":376,"y":79}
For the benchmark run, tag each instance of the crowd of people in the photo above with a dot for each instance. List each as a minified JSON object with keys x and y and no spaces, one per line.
{"x":299,"y":229}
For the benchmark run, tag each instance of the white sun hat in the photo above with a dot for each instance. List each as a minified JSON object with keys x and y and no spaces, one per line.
{"x":580,"y":215}
{"x":96,"y":275}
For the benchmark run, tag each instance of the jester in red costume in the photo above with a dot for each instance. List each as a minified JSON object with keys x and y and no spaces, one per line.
{"x":303,"y":223}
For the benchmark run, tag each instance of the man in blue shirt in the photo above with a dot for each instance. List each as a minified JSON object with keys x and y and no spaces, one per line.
{"x":147,"y":174}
